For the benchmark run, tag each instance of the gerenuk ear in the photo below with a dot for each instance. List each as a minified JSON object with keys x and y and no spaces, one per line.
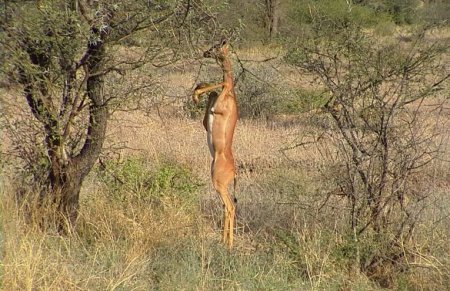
{"x":224,"y":41}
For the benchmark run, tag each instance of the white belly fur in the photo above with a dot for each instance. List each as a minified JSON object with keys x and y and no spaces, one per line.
{"x":209,"y":134}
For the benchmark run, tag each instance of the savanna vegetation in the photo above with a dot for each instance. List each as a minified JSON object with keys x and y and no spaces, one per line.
{"x":341,"y":148}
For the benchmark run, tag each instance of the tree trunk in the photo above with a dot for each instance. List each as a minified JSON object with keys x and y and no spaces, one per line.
{"x":273,"y":17}
{"x":65,"y":174}
{"x":66,"y":193}
{"x":81,"y":164}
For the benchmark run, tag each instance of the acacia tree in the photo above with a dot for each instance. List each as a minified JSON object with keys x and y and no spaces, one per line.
{"x":61,"y":53}
{"x":384,"y":131}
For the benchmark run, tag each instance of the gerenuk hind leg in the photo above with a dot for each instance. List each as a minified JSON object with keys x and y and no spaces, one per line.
{"x":228,"y":219}
{"x":222,"y":177}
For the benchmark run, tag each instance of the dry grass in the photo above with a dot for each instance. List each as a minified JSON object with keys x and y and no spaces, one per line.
{"x":132,"y":237}
{"x":173,"y":242}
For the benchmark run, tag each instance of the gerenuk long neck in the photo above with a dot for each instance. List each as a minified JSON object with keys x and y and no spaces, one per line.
{"x":227,"y":71}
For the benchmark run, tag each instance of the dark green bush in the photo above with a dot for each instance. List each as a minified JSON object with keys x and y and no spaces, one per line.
{"x":335,"y":13}
{"x":138,"y":180}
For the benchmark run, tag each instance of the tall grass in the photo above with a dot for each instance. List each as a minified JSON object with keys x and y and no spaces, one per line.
{"x":150,"y":220}
{"x":136,"y":242}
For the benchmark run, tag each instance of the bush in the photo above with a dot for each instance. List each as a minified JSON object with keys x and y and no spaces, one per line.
{"x":270,"y":96}
{"x":402,"y":11}
{"x":297,"y":101}
{"x":379,"y":142}
{"x":336,"y":12}
{"x":255,"y":98}
{"x":436,"y":13}
{"x":135,"y":180}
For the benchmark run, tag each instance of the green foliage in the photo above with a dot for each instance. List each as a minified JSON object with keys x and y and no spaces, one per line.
{"x":325,"y":15}
{"x":248,"y":19}
{"x":437,"y":12}
{"x":136,"y":180}
{"x":381,"y":260}
{"x":50,"y":32}
{"x":298,"y":100}
{"x":243,"y":19}
{"x":351,"y":249}
{"x":402,"y":11}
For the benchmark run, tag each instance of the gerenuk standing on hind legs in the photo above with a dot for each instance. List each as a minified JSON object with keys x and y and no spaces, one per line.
{"x":220,"y":121}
